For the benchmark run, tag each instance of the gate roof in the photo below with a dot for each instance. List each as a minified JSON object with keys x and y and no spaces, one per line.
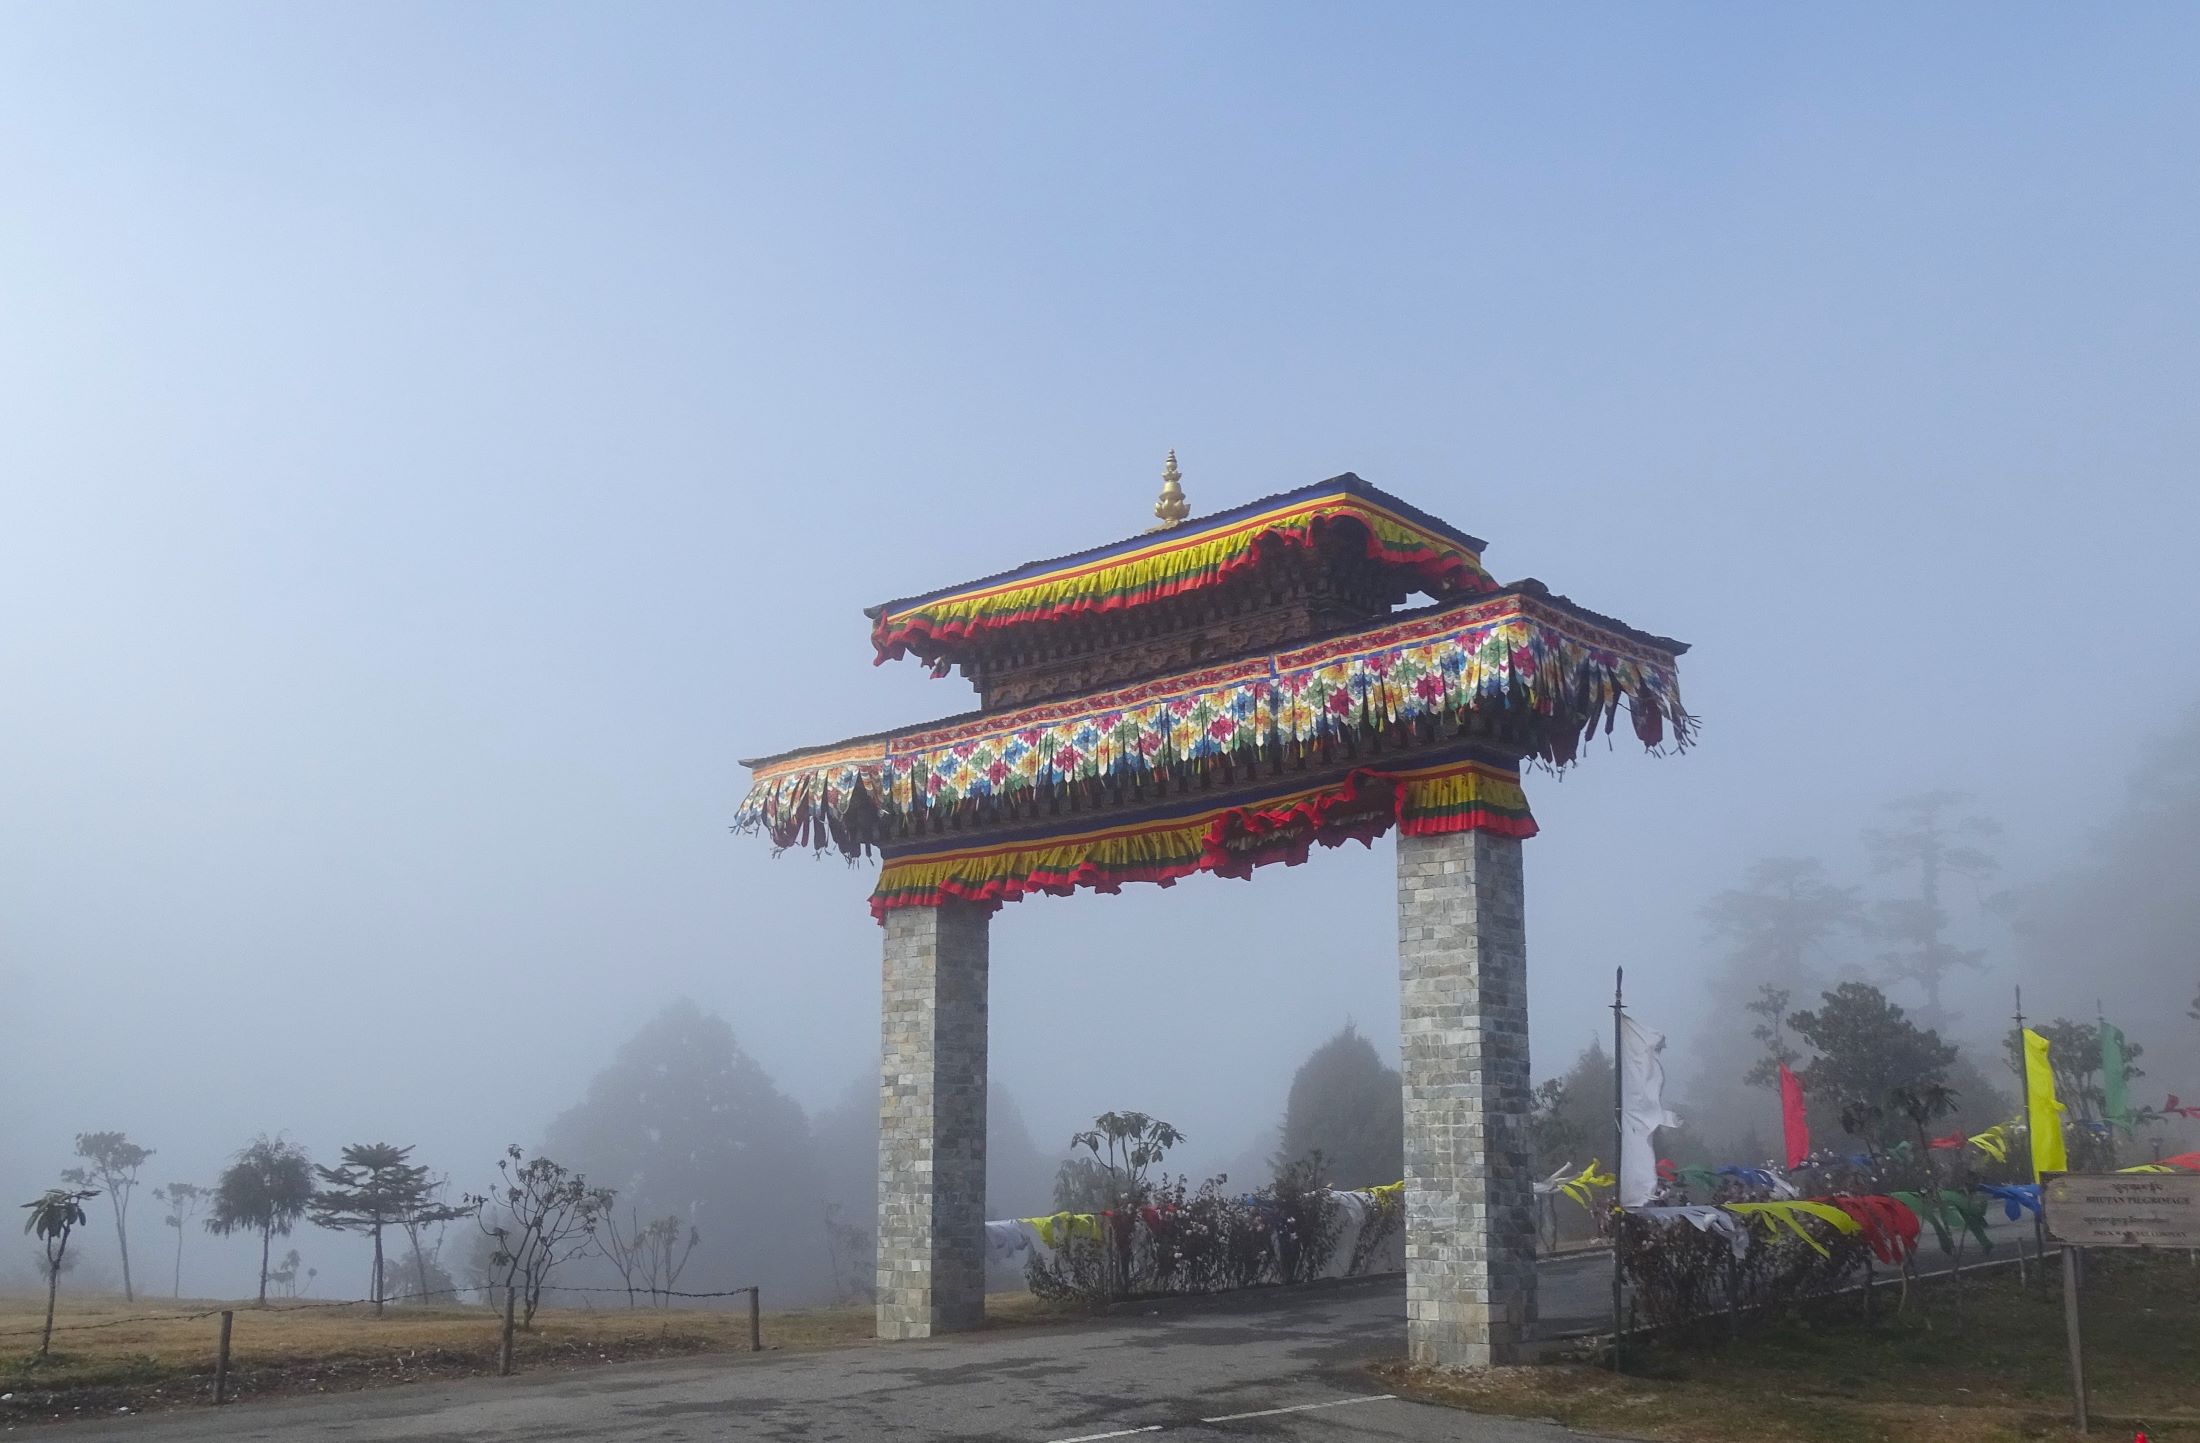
{"x":1414,"y":551}
{"x":1332,"y":718}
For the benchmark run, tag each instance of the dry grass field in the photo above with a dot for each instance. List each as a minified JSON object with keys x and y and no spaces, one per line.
{"x":109,"y":1355}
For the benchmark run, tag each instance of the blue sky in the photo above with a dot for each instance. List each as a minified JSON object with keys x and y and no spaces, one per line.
{"x":436,"y":441}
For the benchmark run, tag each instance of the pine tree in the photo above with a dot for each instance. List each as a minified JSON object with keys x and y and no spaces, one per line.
{"x":1346,"y":1105}
{"x":375,"y":1189}
{"x":1934,"y":839}
{"x":687,"y":1124}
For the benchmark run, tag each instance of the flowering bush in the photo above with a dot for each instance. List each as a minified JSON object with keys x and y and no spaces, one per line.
{"x":1182,"y":1240}
{"x":1685,"y":1278}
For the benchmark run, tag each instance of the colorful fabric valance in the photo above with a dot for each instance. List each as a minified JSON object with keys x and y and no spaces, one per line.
{"x":1281,"y":825}
{"x":940,"y":627}
{"x":1547,"y":672}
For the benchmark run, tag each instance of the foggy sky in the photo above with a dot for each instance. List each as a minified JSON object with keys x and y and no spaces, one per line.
{"x":435,"y":443}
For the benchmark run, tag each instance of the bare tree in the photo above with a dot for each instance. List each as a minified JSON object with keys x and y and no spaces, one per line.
{"x":183,"y":1199}
{"x":541,"y":1215}
{"x":665,"y":1256}
{"x":650,"y":1253}
{"x":421,"y":1209}
{"x":54,"y":1216}
{"x":115,"y":1161}
{"x":624,"y":1249}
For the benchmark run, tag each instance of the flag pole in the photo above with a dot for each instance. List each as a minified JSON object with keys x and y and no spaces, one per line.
{"x":1619,"y":1150}
{"x":2024,"y":1080}
{"x":2100,"y":1044}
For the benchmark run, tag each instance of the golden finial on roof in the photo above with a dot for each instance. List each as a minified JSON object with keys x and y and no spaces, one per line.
{"x":1172,"y":508}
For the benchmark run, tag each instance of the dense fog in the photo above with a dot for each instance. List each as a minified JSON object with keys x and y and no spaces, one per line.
{"x":435,"y":445}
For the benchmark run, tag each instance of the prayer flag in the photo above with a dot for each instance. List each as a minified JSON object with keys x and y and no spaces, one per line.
{"x":1792,"y":1120}
{"x":2115,"y":1106}
{"x":1642,"y":1110}
{"x":2042,"y":1110}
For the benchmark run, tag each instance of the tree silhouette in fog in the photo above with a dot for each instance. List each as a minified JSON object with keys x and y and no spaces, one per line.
{"x":685,"y":1124}
{"x":266,"y":1190}
{"x":1346,"y":1105}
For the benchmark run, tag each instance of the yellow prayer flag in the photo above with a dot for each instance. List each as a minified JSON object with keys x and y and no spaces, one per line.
{"x":2042,"y":1110}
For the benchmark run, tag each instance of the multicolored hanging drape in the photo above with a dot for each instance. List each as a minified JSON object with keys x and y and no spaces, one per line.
{"x":940,"y":627}
{"x":1580,"y":1186}
{"x":1794,"y":1117}
{"x":1994,"y":1142}
{"x":1776,"y":1215}
{"x":1161,"y":845}
{"x":1551,"y":675}
{"x":2043,"y":1110}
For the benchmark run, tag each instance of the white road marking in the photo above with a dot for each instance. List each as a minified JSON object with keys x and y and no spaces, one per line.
{"x":1118,"y":1433}
{"x":1300,"y":1408}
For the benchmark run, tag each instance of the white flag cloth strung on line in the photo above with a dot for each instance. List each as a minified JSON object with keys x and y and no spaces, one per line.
{"x":1705,"y":1219}
{"x":1642,"y":1110}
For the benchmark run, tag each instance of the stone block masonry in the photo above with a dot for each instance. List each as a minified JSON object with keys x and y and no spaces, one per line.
{"x":1470,"y":1189}
{"x":931,"y":1140}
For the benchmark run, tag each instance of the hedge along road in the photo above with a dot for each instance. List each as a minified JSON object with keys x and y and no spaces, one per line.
{"x":1211,"y":1368}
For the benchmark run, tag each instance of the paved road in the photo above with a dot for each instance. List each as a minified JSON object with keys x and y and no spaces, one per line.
{"x":1263,"y":1365}
{"x":1213,"y":1372}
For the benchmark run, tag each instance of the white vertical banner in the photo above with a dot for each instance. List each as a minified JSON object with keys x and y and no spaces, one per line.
{"x":1642,"y":1110}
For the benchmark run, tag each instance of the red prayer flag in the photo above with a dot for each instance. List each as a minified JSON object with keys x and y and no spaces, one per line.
{"x":1792,"y":1121}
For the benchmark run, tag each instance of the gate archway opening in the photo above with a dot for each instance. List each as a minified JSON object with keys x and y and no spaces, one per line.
{"x":1218,"y":695}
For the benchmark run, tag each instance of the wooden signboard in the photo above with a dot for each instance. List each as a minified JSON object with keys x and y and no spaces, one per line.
{"x":2114,"y":1210}
{"x":2123,"y":1209}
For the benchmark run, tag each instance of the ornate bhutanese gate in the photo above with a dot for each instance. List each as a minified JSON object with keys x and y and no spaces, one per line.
{"x":1208,"y":697}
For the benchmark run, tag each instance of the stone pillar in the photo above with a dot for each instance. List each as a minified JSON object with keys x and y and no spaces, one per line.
{"x":931,"y":1137}
{"x":1470,"y":1199}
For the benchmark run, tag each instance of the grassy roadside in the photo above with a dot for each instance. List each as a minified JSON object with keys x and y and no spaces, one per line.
{"x":102,"y":1364}
{"x":1995,"y":1374}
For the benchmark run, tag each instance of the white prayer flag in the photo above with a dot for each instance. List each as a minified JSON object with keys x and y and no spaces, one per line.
{"x":1642,"y":1110}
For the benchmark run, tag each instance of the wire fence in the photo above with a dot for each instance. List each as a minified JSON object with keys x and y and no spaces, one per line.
{"x":287,"y":1305}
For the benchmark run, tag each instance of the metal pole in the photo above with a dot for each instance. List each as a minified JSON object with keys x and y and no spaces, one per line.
{"x":756,"y":1321}
{"x":504,"y":1352}
{"x":1619,"y":1153}
{"x":2024,"y":1081}
{"x":2070,"y":1326}
{"x":2100,"y":1039}
{"x":221,"y":1359}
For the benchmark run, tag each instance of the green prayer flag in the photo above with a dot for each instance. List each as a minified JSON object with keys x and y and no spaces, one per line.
{"x":2113,"y":1100}
{"x":1931,"y":1213}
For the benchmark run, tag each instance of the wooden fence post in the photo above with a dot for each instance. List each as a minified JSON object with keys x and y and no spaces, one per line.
{"x":504,"y":1353}
{"x":756,"y":1321}
{"x":221,"y":1359}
